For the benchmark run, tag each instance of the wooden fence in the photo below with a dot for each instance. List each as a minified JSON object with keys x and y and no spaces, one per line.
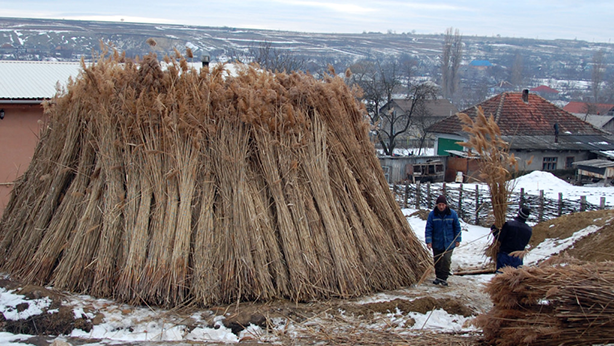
{"x":472,"y":202}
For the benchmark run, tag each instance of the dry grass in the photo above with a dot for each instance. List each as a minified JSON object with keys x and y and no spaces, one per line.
{"x":173,"y":186}
{"x":496,"y":165}
{"x":553,"y":304}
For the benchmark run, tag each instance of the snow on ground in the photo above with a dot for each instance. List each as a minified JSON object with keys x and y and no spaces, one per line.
{"x":552,"y":186}
{"x":130,"y":325}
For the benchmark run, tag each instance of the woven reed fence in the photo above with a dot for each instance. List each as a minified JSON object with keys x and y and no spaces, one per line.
{"x":472,"y":202}
{"x":553,"y":304}
{"x":172,"y":186}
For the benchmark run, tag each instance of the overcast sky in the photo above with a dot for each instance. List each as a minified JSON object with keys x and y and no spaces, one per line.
{"x":588,"y":20}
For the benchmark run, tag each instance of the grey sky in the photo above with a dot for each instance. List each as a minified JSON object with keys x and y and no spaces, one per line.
{"x":548,"y":19}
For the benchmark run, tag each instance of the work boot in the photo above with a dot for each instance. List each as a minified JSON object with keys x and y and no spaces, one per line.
{"x":441,"y":282}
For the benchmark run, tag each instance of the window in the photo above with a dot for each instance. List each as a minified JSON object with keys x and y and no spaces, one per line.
{"x":569,"y":162}
{"x":549,"y":164}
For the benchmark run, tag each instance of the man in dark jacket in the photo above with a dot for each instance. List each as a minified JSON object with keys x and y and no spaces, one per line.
{"x":514,"y":237}
{"x":442,"y":235}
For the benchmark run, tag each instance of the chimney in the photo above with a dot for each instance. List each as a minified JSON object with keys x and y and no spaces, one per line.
{"x":556,"y":132}
{"x":525,"y":95}
{"x":205,"y":60}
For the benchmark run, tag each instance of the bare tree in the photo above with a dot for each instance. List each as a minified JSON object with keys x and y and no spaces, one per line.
{"x":378,"y":80}
{"x":394,"y":123}
{"x":608,"y":89}
{"x":276,"y":60}
{"x":365,"y":75}
{"x":422,"y":117}
{"x":517,"y":71}
{"x":451,"y":57}
{"x":589,"y":108}
{"x":597,"y":74}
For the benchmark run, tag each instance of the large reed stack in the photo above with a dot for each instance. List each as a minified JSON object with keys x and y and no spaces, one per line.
{"x":168,"y":186}
{"x":560,"y":304}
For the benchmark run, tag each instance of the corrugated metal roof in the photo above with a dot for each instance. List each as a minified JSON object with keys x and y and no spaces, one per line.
{"x":34,"y":79}
{"x":606,"y":153}
{"x":595,"y":163}
{"x":464,"y":154}
{"x":596,"y":120}
{"x":565,"y":142}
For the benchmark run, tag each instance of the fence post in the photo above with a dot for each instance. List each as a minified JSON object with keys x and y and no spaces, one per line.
{"x":602,"y":203}
{"x":460,"y":201}
{"x":560,"y":211}
{"x":445,"y":190}
{"x":521,"y":197}
{"x":418,"y":194}
{"x":406,"y":195}
{"x":428,"y":195}
{"x":541,"y":206}
{"x":477,"y":203}
{"x":582,"y":203}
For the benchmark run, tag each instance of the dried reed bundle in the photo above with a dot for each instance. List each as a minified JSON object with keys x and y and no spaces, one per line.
{"x":59,"y":230}
{"x":496,"y":165}
{"x":172,"y":186}
{"x":561,"y":304}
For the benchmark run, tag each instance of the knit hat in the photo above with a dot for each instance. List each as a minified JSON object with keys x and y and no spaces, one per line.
{"x":441,"y":199}
{"x":524,"y":213}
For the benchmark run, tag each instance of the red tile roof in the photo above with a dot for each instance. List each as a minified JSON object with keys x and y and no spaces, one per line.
{"x":581,"y":107}
{"x":544,"y":89}
{"x":515,"y":117}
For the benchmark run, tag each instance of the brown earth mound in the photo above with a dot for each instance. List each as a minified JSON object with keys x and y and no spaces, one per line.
{"x":594,"y":247}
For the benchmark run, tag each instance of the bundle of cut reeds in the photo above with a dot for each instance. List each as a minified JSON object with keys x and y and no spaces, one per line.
{"x":496,"y":165}
{"x":560,"y":304}
{"x":168,"y":186}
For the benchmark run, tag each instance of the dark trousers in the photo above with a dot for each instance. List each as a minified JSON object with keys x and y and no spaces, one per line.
{"x":505,"y":260}
{"x":442,"y":260}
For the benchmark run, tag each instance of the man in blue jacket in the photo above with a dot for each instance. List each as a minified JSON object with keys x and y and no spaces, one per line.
{"x":442,"y":235}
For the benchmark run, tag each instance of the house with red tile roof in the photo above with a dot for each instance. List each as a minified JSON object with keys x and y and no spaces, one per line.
{"x":546,"y":92}
{"x":534,"y":127}
{"x":543,"y":89}
{"x":583,"y":108}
